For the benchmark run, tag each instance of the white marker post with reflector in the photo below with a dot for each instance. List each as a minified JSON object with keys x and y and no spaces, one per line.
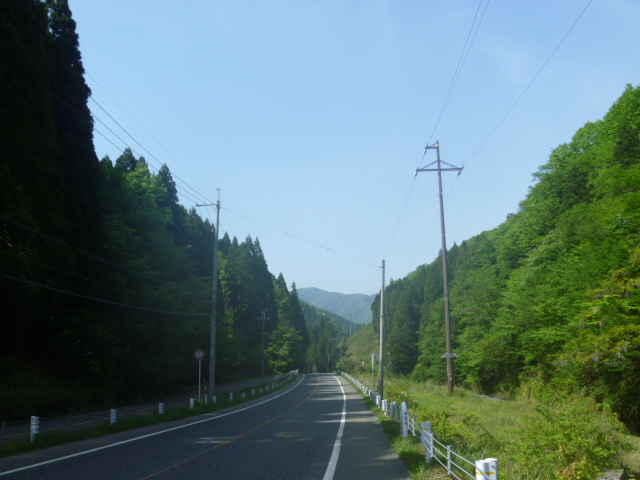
{"x":487,"y":469}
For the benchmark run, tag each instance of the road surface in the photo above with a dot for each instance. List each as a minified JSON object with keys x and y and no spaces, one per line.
{"x":318,"y":427}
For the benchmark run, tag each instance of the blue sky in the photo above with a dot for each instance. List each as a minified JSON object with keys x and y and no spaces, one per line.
{"x":311,"y":116}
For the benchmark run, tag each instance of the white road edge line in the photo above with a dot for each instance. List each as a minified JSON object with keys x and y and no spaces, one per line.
{"x":146,"y":436}
{"x":333,"y":461}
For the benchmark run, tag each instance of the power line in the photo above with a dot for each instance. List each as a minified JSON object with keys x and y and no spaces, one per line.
{"x":454,"y":80}
{"x":182,"y":192}
{"x":433,"y":223}
{"x":512,"y":107}
{"x":400,"y":217}
{"x":75,"y":275}
{"x":530,"y":83}
{"x":82,"y":252}
{"x":145,"y":131}
{"x":302,"y":239}
{"x":461,"y":61}
{"x":88,"y":297}
{"x":202,"y":197}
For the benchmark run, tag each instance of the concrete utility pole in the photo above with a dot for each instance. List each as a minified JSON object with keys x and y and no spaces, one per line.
{"x":264,"y":319}
{"x":447,"y":317}
{"x":214,"y":302}
{"x":382,"y":335}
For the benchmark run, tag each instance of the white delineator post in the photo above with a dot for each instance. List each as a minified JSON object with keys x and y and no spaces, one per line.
{"x":160,"y":408}
{"x":405,"y":423}
{"x":426,"y":438}
{"x":113,"y":416}
{"x":487,"y":469}
{"x":35,"y":427}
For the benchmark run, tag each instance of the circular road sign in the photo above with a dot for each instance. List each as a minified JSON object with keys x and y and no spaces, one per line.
{"x":199,"y":354}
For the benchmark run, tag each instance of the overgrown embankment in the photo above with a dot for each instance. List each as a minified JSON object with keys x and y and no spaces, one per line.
{"x":558,"y":439}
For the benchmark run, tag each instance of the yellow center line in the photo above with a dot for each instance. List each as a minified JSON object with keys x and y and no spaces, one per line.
{"x":235,"y":439}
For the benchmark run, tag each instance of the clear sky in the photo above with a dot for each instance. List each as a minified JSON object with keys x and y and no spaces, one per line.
{"x":311,"y":116}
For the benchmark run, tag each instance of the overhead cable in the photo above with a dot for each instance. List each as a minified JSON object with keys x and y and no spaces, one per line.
{"x":530,"y":83}
{"x":302,"y":239}
{"x":461,"y":61}
{"x":182,"y":192}
{"x":88,"y":297}
{"x":203,"y":199}
{"x":82,"y":252}
{"x":149,"y":135}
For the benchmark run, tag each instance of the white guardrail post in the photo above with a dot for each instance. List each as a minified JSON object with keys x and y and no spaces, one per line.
{"x":426,"y":438}
{"x":404,"y":419}
{"x":487,"y":469}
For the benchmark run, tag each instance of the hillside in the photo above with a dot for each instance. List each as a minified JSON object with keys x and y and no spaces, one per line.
{"x":355,"y":307}
{"x":547,"y":303}
{"x":314,"y":315}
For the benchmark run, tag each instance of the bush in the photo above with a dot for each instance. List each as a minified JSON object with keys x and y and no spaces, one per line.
{"x":571,"y":441}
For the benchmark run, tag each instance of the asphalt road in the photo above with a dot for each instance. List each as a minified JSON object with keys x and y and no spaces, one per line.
{"x":317,"y":428}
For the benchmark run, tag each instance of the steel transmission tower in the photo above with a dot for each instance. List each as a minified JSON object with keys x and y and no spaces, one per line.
{"x":439,"y":168}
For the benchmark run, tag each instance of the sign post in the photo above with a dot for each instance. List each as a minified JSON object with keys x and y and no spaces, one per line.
{"x":199,"y":354}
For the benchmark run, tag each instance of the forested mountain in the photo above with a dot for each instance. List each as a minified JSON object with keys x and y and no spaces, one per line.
{"x":549,"y":301}
{"x":355,"y":307}
{"x":105,"y":279}
{"x":328,"y":337}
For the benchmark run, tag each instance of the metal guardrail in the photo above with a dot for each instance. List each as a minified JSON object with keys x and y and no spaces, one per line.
{"x":22,"y":429}
{"x":456,"y":465}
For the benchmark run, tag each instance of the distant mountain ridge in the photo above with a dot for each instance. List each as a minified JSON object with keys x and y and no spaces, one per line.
{"x":355,"y":307}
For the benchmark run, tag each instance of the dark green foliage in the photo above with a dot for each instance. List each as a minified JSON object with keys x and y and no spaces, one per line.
{"x":549,"y":299}
{"x":290,"y":340}
{"x":105,"y":277}
{"x":247,"y":290}
{"x":322,"y":352}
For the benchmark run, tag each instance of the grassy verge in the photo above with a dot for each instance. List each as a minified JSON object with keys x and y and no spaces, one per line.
{"x":61,"y":437}
{"x":572,"y":439}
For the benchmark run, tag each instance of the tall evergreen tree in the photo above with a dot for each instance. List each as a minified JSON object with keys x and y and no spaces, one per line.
{"x":74,"y":128}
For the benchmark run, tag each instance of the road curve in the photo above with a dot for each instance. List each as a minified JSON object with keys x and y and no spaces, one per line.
{"x":317,"y":428}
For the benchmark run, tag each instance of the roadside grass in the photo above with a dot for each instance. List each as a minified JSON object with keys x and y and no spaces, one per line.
{"x":61,"y":437}
{"x":409,"y":449}
{"x":572,"y":439}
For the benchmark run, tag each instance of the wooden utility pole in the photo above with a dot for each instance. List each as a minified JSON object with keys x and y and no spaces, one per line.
{"x":214,"y":302}
{"x":382,"y":335}
{"x":447,"y":317}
